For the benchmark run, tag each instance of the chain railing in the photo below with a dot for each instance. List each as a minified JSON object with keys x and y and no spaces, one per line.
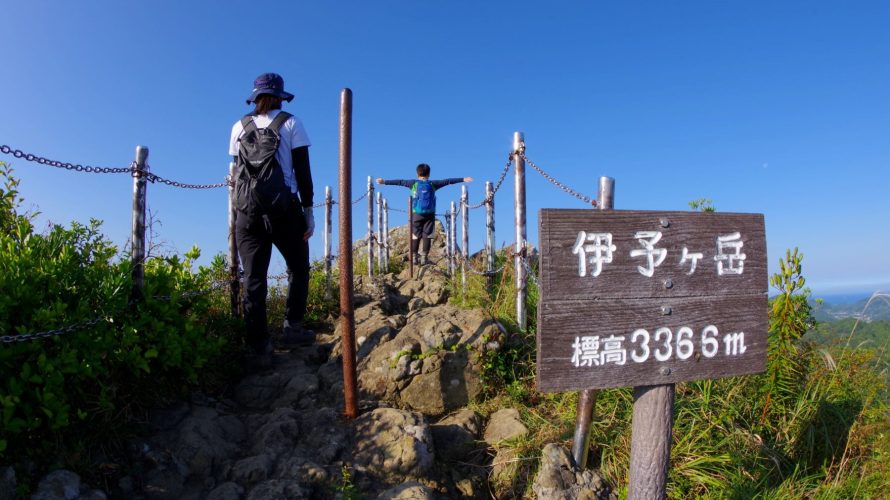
{"x":497,"y":185}
{"x":586,"y":199}
{"x":17,"y":153}
{"x":151,"y":177}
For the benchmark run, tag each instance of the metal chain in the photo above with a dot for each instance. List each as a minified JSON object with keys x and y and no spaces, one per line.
{"x":157,"y":178}
{"x":58,"y":164}
{"x":585,"y":199}
{"x":8,"y":339}
{"x":360,"y":198}
{"x":498,"y":184}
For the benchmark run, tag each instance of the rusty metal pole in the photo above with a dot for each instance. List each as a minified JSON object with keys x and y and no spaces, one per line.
{"x":519,"y":257}
{"x":328,"y":208}
{"x":587,"y":398}
{"x":138,"y":237}
{"x":464,"y":236}
{"x":385,"y":250}
{"x":234,"y":275}
{"x":347,"y":313}
{"x":370,"y":226}
{"x":489,"y":230}
{"x":411,"y":236}
{"x":379,"y":236}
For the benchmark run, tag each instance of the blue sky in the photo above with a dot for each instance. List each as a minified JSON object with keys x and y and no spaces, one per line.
{"x":776,"y":108}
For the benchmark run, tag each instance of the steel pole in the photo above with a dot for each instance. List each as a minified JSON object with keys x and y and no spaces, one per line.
{"x":234,"y":275}
{"x":379,"y":232}
{"x":328,"y":208}
{"x":138,"y":237}
{"x":489,"y":229}
{"x":347,"y":313}
{"x":385,"y":250}
{"x":452,"y":265}
{"x":587,"y":398}
{"x":520,"y":251}
{"x":370,"y":226}
{"x":464,"y":236}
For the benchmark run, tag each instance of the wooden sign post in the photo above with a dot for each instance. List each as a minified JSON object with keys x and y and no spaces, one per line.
{"x":643,"y":299}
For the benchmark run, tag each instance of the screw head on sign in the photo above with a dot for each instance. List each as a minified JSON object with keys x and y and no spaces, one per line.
{"x":668,"y":284}
{"x":666,"y":310}
{"x":664,"y":370}
{"x":665,"y":223}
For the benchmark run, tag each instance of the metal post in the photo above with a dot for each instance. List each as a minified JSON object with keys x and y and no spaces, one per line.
{"x":347,"y":313}
{"x":138,"y":237}
{"x":587,"y":398}
{"x":448,"y":241}
{"x":328,"y":208}
{"x":464,"y":233}
{"x":385,"y":236}
{"x":453,"y":229}
{"x":489,"y":229}
{"x":234,"y":275}
{"x":411,"y":236}
{"x":379,"y":232}
{"x":370,"y":226}
{"x":519,"y":258}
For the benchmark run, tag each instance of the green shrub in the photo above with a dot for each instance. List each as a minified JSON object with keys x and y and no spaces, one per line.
{"x":71,"y":388}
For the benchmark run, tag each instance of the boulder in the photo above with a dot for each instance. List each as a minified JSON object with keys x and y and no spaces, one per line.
{"x":559,"y":478}
{"x":456,"y":436}
{"x":393,"y":444}
{"x":7,"y":483}
{"x":58,"y":485}
{"x":504,"y":425}
{"x":411,"y":490}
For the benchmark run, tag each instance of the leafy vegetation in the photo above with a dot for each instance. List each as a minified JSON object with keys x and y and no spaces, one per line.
{"x":61,"y":393}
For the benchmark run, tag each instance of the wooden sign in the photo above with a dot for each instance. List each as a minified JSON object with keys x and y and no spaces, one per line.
{"x":631,"y":298}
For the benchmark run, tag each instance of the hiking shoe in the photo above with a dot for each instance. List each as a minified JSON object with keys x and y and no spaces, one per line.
{"x":416,"y":259}
{"x":296,"y":335}
{"x":426,"y":259}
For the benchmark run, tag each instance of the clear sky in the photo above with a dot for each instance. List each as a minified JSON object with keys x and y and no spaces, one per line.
{"x":781,"y":108}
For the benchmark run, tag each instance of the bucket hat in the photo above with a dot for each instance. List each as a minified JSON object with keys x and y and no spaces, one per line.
{"x":269,"y":83}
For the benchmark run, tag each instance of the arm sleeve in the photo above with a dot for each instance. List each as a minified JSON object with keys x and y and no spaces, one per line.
{"x":303,"y":174}
{"x":399,"y":182}
{"x":446,"y":182}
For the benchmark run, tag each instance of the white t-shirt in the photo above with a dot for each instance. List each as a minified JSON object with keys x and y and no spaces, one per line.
{"x":293,"y":136}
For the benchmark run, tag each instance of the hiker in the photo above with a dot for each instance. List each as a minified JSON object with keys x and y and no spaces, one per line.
{"x":423,"y":190}
{"x":273,"y":197}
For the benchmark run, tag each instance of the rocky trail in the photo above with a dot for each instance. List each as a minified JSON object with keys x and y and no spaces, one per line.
{"x":280,"y":434}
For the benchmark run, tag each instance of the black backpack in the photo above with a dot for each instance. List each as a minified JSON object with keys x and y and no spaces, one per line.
{"x":259,"y":180}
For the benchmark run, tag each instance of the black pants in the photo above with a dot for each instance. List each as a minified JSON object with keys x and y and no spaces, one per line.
{"x":424,"y":226}
{"x":255,"y":235}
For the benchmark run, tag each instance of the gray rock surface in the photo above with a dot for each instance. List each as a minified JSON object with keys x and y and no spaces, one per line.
{"x":411,"y":490}
{"x":559,"y":479}
{"x":457,"y":436}
{"x":504,"y":425}
{"x":394,"y":444}
{"x":58,"y":485}
{"x":7,"y":483}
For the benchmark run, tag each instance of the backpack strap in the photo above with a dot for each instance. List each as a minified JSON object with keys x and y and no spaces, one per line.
{"x":279,"y":120}
{"x":248,"y":124}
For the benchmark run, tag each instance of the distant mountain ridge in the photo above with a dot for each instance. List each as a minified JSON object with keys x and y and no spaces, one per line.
{"x":830,"y":310}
